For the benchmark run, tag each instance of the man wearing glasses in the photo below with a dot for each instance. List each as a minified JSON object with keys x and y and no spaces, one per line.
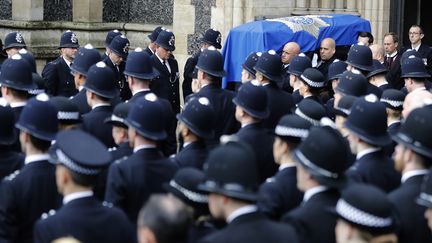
{"x":416,"y":35}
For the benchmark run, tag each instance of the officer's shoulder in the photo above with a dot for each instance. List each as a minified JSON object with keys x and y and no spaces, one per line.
{"x":119,"y":161}
{"x":48,"y":214}
{"x":112,"y":149}
{"x":12,"y":175}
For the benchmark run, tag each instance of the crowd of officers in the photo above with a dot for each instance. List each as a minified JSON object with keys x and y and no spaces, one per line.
{"x":310,"y":148}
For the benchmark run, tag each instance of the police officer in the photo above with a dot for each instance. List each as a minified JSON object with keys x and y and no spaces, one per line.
{"x":393,"y":100}
{"x":311,"y":111}
{"x":251,"y":109}
{"x":289,"y":51}
{"x":196,"y":125}
{"x":335,"y":70}
{"x":57,"y":74}
{"x":166,"y":85}
{"x":279,"y":194}
{"x":151,"y":48}
{"x":414,"y":74}
{"x":140,"y":74}
{"x":367,"y":139}
{"x":100,"y":88}
{"x":31,"y":191}
{"x":80,"y":157}
{"x":248,"y":71}
{"x":297,"y":66}
{"x":210,"y":70}
{"x":341,"y":111}
{"x":14,"y":42}
{"x":412,"y":159}
{"x":269,"y":73}
{"x":425,"y":198}
{"x":416,"y":35}
{"x":118,"y":52}
{"x":350,"y":83}
{"x":312,"y":82}
{"x":322,"y":159}
{"x":108,"y":39}
{"x":85,"y":58}
{"x":377,"y":76}
{"x":211,"y":37}
{"x":131,"y":181}
{"x":231,"y":179}
{"x":67,"y":113}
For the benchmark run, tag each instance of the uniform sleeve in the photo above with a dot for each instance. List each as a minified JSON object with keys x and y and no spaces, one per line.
{"x":116,"y":187}
{"x":269,"y":201}
{"x":9,"y":222}
{"x":39,"y":233}
{"x":50,"y":76}
{"x":187,"y":76}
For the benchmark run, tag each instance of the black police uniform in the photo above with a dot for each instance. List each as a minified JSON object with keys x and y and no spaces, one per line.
{"x":425,"y":52}
{"x":93,"y":124}
{"x":80,"y":99}
{"x":166,"y":85}
{"x":10,"y":161}
{"x":192,"y":155}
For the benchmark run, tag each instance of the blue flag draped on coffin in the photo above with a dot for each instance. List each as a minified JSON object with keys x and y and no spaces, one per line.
{"x":308,"y":31}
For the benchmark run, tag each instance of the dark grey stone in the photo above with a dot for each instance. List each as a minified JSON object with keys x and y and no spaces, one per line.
{"x":57,"y":10}
{"x":202,"y":23}
{"x":6,"y":9}
{"x":159,"y":12}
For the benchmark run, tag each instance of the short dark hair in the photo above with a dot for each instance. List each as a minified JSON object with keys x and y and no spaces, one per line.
{"x":394,"y":36}
{"x":83,"y":180}
{"x":39,"y":144}
{"x":367,"y":34}
{"x":21,"y":94}
{"x":167,"y":217}
{"x":417,"y":26}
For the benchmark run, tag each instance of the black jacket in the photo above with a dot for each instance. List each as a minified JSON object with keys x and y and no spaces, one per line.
{"x":280,"y":103}
{"x":58,"y":79}
{"x":188,"y":74}
{"x":120,"y":80}
{"x":193,"y":155}
{"x":167,"y":84}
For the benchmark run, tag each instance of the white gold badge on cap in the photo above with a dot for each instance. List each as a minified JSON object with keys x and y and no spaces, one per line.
{"x":100,"y":65}
{"x":204,"y":101}
{"x":151,"y":97}
{"x":74,"y":38}
{"x":19,"y":37}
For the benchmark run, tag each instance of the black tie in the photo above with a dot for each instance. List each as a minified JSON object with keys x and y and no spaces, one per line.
{"x":389,"y":62}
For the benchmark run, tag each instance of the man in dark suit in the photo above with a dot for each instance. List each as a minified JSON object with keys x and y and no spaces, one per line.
{"x":412,"y":158}
{"x":269,"y":73}
{"x":392,"y":60}
{"x":196,"y":125}
{"x":279,"y":194}
{"x":166,"y":85}
{"x":80,"y":157}
{"x":211,"y":37}
{"x":367,"y":139}
{"x":57,"y":74}
{"x":87,"y":56}
{"x":232,"y":181}
{"x":289,"y":51}
{"x":100,"y":88}
{"x":31,"y":191}
{"x":117,"y":54}
{"x":322,"y":159}
{"x":210,"y":71}
{"x":251,"y":109}
{"x":151,"y":48}
{"x":131,"y":181}
{"x":416,"y":35}
{"x":327,"y":55}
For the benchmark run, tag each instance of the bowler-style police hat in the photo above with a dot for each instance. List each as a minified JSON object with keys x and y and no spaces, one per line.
{"x":199,"y":116}
{"x":69,"y":40}
{"x":139,"y":65}
{"x":16,"y":73}
{"x":155,"y":33}
{"x":146,"y":116}
{"x":393,"y":99}
{"x":101,"y":81}
{"x":408,"y":53}
{"x":252,"y":98}
{"x":368,"y":121}
{"x":425,"y":197}
{"x":39,"y":118}
{"x":250,"y":62}
{"x":298,"y":64}
{"x":352,"y":83}
{"x":80,"y":152}
{"x":360,"y":57}
{"x":343,"y":107}
{"x":378,"y":68}
{"x":119,"y":115}
{"x":270,"y":66}
{"x":14,"y":39}
{"x":67,"y":110}
{"x":415,"y":132}
{"x":184,"y":186}
{"x":85,"y":57}
{"x":212,"y":37}
{"x":325,"y":153}
{"x":367,"y":208}
{"x":120,"y":46}
{"x":413,"y":67}
{"x":110,"y":36}
{"x":40,"y":85}
{"x":313,"y":78}
{"x":211,"y":61}
{"x":26,"y":55}
{"x":231,"y":170}
{"x":292,"y":128}
{"x":336,"y":69}
{"x":166,"y":40}
{"x":7,"y":125}
{"x":310,"y":111}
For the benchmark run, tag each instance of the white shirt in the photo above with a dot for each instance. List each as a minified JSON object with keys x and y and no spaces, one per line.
{"x":315,"y":190}
{"x":393,"y":122}
{"x":247,"y":124}
{"x":144,"y":146}
{"x":240,"y":211}
{"x":392,"y":55}
{"x":80,"y":88}
{"x":283,"y":166}
{"x":35,"y":157}
{"x":67,"y":62}
{"x":17,"y":104}
{"x":412,"y":173}
{"x":99,"y":105}
{"x":416,"y":48}
{"x":140,"y":90}
{"x":366,"y":151}
{"x":151,"y":50}
{"x":76,"y":195}
{"x":162,"y":61}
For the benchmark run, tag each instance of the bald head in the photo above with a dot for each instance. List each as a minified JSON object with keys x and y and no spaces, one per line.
{"x":378,"y":52}
{"x":415,"y":100}
{"x":290,"y":50}
{"x":327,"y":49}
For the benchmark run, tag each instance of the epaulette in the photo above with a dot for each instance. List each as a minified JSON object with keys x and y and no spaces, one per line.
{"x":118,"y":161}
{"x":112,"y":149}
{"x":12,"y":175}
{"x":48,"y":214}
{"x":107,"y":204}
{"x":271,"y":179}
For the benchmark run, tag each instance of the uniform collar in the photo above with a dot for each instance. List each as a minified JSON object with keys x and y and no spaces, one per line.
{"x":18,"y":104}
{"x":416,"y":48}
{"x":393,"y":122}
{"x":284,"y":166}
{"x":311,"y":192}
{"x":140,"y":90}
{"x":77,"y":195}
{"x":99,"y":105}
{"x":393,"y":54}
{"x":144,"y":146}
{"x":35,"y":157}
{"x":241,"y":211}
{"x":366,"y":151}
{"x":413,"y":173}
{"x":160,"y":59}
{"x":67,"y":61}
